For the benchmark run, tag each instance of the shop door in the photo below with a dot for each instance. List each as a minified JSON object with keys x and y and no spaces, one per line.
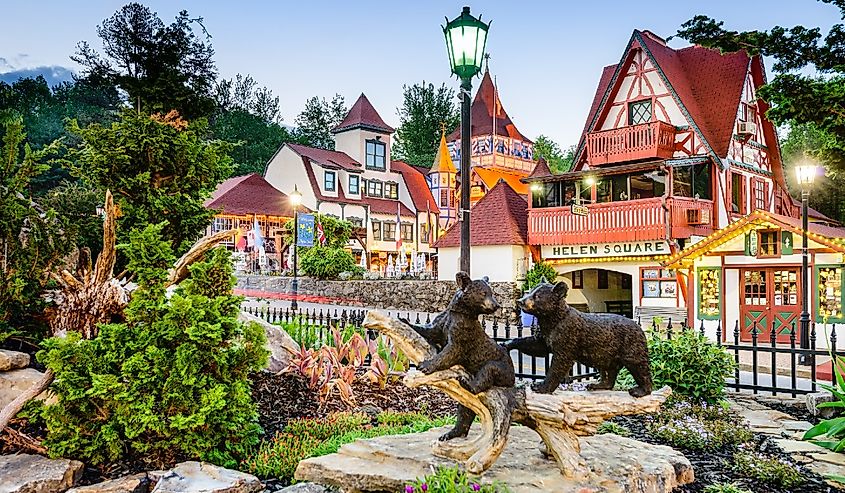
{"x":770,"y":302}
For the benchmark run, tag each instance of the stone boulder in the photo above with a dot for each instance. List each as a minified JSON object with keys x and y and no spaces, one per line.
{"x":25,"y":473}
{"x":136,"y":483}
{"x":201,"y":477}
{"x":13,"y":360}
{"x":307,"y":488}
{"x":616,"y":463}
{"x":281,"y":345}
{"x":13,"y":382}
{"x":813,"y":400}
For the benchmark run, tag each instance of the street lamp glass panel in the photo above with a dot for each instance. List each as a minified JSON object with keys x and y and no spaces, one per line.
{"x":466,"y":38}
{"x":805,"y":173}
{"x":295,"y":198}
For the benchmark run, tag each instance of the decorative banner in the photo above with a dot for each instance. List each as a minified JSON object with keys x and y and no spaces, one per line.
{"x":305,"y":228}
{"x":786,"y":242}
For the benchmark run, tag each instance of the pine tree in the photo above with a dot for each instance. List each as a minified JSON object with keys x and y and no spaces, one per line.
{"x":424,"y":110}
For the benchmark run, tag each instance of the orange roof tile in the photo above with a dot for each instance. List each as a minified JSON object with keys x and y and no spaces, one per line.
{"x":490,"y":177}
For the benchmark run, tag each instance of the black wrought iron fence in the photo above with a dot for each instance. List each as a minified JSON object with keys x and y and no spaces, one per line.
{"x":321,"y":321}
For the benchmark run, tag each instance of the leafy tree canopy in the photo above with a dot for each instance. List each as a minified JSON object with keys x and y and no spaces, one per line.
{"x":159,"y":67}
{"x":159,"y":168}
{"x":242,"y":93}
{"x":314,"y":124}
{"x":559,"y":161}
{"x":425,"y":109}
{"x":809,"y":85}
{"x":803,"y":140}
{"x":256,"y":139}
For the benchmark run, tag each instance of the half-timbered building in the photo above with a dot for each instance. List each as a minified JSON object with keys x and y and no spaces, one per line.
{"x":675,"y":147}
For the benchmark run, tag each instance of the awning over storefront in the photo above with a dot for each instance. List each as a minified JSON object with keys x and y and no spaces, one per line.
{"x":826,"y":236}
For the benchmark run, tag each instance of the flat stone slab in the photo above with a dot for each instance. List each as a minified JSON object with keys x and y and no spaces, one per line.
{"x":136,"y":483}
{"x":391,"y":462}
{"x":26,"y":473}
{"x":799,"y":447}
{"x":13,"y":360}
{"x":13,"y":382}
{"x":202,"y":477}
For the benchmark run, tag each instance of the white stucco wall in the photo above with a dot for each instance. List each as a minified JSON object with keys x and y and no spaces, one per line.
{"x":285,"y":170}
{"x":498,"y":262}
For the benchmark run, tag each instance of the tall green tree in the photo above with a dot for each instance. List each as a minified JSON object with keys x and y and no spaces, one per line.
{"x":424,"y":110}
{"x":806,"y":140}
{"x":314,"y":124}
{"x":160,"y":67}
{"x":242,"y":93}
{"x":809,"y":82}
{"x":32,"y":240}
{"x":256,"y":139}
{"x":559,"y":161}
{"x":159,"y":168}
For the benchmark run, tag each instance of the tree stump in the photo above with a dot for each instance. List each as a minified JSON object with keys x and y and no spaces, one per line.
{"x":558,"y":418}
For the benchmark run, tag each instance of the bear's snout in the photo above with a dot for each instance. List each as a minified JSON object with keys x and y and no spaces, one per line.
{"x":525,"y":303}
{"x":490,"y":305}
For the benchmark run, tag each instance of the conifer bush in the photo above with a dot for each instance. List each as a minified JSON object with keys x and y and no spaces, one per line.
{"x":167,"y":383}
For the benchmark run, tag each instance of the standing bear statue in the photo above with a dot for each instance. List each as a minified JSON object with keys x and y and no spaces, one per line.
{"x":603,"y":341}
{"x":460,"y":339}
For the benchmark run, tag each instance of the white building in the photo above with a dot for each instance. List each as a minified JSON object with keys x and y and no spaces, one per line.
{"x":358,"y":182}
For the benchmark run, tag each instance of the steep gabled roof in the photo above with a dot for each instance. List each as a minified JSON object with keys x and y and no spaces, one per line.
{"x":417,"y":187}
{"x":326,"y":158}
{"x":363,"y":115}
{"x":499,"y":218}
{"x":483,"y":108}
{"x":706,"y":84}
{"x":540,"y":171}
{"x":249,"y":194}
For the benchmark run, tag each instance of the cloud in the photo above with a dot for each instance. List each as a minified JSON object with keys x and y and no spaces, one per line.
{"x":53,"y":74}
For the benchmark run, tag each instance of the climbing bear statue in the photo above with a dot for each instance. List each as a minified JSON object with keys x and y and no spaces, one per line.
{"x":603,"y":341}
{"x":460,"y":339}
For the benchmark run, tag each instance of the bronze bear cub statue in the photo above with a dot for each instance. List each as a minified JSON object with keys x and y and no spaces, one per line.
{"x":461,"y":340}
{"x":603,"y":341}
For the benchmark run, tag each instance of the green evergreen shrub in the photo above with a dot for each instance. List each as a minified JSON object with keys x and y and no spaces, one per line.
{"x":325,"y":262}
{"x":171,"y":381}
{"x":536,"y":274}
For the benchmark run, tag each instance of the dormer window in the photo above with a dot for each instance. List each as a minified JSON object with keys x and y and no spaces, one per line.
{"x":391,"y":190}
{"x":376,"y":152}
{"x":330,"y":181}
{"x":639,"y":112}
{"x":354,"y":184}
{"x":374,"y":188}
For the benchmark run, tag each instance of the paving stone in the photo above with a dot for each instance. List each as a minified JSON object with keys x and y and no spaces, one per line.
{"x":795,"y":446}
{"x":796,"y":425}
{"x":831,"y":458}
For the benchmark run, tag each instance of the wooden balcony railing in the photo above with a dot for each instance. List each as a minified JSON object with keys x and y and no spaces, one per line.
{"x":644,"y":141}
{"x":611,"y":222}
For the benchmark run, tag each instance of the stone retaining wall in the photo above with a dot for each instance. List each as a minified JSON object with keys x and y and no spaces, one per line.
{"x":405,"y":295}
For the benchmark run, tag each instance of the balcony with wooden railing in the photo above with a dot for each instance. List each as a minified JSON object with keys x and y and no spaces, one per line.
{"x":623,"y":221}
{"x":654,"y":140}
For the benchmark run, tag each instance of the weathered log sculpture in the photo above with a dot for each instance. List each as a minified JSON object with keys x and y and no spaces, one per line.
{"x":558,"y":418}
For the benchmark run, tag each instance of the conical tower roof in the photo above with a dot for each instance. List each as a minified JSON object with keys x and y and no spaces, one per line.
{"x":443,"y":161}
{"x":363,"y":115}
{"x":484,"y":106}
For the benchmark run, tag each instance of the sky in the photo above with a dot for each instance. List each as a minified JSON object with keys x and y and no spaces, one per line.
{"x":546,"y":56}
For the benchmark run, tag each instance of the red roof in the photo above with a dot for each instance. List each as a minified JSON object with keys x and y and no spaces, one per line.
{"x":315,"y":186}
{"x":363,"y":115}
{"x":249,"y":194}
{"x":541,"y":170}
{"x":482,"y":114}
{"x":387,"y":206}
{"x":327,"y":158}
{"x":417,"y":186}
{"x":499,"y":218}
{"x":707,"y":83}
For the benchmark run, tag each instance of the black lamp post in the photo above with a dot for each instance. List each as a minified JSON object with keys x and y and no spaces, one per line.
{"x":295,"y":200}
{"x":466,"y":38}
{"x":805,"y":173}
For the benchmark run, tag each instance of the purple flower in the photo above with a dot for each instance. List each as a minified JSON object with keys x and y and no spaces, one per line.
{"x":409,"y":489}
{"x":424,"y":486}
{"x":476,"y":486}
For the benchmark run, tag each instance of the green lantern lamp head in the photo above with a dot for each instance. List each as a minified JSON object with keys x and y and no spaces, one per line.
{"x":466,"y":39}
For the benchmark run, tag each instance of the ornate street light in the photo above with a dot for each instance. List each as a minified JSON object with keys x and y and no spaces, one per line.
{"x":295,"y":199}
{"x":805,"y":172}
{"x":466,"y":39}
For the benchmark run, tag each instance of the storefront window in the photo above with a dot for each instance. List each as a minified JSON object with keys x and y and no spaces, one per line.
{"x":619,"y":186}
{"x":692,"y":181}
{"x":658,"y":283}
{"x":829,"y":294}
{"x":569,"y":193}
{"x":585,"y":192}
{"x":603,"y":191}
{"x":643,"y":186}
{"x":709,"y":293}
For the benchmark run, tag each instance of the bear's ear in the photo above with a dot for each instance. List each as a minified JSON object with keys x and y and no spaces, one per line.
{"x":463,"y":279}
{"x":561,"y":289}
{"x":485,"y":279}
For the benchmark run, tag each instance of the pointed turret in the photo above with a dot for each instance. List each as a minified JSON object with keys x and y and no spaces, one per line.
{"x":362,"y":115}
{"x":541,"y":170}
{"x":443,"y":161}
{"x":485,"y":104}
